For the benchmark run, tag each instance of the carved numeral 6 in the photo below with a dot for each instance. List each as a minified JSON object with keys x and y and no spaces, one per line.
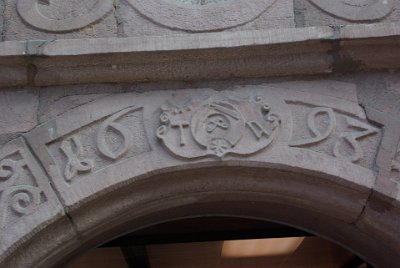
{"x":123,"y":132}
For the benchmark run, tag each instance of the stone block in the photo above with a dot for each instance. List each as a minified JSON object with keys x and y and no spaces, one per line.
{"x":27,"y":200}
{"x":120,"y":133}
{"x":18,"y":111}
{"x":381,"y":220}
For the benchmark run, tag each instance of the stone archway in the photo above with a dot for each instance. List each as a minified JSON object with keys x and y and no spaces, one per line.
{"x":303,"y":157}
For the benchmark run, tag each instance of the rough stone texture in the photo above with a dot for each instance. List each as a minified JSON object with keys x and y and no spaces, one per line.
{"x":56,"y":101}
{"x":2,"y":8}
{"x":102,"y":143}
{"x":16,"y":29}
{"x":104,"y":129}
{"x":18,"y":111}
{"x":279,"y":15}
{"x":27,"y":200}
{"x":124,"y":20}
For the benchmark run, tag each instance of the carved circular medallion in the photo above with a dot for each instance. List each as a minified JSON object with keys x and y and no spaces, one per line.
{"x":356,"y":10}
{"x":62,"y":15}
{"x":221,"y":125}
{"x":201,"y":15}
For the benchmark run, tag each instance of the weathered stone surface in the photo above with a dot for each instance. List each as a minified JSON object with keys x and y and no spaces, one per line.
{"x":380,"y":95}
{"x":57,"y":100}
{"x":304,"y":146}
{"x":326,"y":12}
{"x":381,"y":219}
{"x":27,"y":201}
{"x":115,"y":133}
{"x":278,"y":15}
{"x":90,"y":18}
{"x":2,"y":8}
{"x":18,"y":111}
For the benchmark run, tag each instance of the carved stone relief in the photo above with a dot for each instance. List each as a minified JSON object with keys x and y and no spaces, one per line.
{"x":325,"y":130}
{"x":201,"y":15}
{"x":93,"y":146}
{"x":25,"y":192}
{"x":62,"y":15}
{"x":220,"y":125}
{"x":356,"y":10}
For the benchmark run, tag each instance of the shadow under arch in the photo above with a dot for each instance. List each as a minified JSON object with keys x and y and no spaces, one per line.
{"x":322,"y":205}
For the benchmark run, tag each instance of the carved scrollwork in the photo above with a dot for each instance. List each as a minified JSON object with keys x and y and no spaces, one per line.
{"x":41,"y":14}
{"x":22,"y":199}
{"x":201,"y":15}
{"x":356,"y":10}
{"x":72,"y":149}
{"x":218,"y":127}
{"x":22,"y":190}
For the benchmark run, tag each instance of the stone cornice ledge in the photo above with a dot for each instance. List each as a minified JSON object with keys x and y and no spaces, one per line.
{"x":223,"y":55}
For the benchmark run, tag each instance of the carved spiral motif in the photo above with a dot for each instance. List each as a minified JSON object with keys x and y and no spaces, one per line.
{"x":41,"y":15}
{"x":201,"y":15}
{"x":22,"y":199}
{"x":356,"y":10}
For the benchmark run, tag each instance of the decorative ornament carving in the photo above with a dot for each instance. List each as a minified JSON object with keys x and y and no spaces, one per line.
{"x":201,"y":15}
{"x":41,"y":13}
{"x":72,"y":149}
{"x":218,"y":127}
{"x":20,"y":191}
{"x":356,"y":10}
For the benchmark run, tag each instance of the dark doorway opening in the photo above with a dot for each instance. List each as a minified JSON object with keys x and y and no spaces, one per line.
{"x":224,"y":242}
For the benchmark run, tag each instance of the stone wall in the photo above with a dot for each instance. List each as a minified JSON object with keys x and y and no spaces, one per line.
{"x":56,"y":19}
{"x":91,"y":139}
{"x":119,"y":114}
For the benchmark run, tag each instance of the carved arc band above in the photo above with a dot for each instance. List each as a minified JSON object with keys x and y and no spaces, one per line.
{"x":41,"y":15}
{"x":356,"y":10}
{"x":201,"y":17}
